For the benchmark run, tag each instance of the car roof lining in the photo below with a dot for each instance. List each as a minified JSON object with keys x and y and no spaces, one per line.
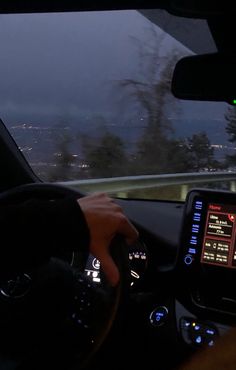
{"x":193,"y":9}
{"x":28,"y":6}
{"x":223,"y":23}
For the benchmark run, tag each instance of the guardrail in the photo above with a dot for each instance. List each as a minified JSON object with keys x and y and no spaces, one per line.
{"x":121,"y":186}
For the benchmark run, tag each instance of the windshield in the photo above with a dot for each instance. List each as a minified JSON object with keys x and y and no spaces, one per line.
{"x":87,"y":98}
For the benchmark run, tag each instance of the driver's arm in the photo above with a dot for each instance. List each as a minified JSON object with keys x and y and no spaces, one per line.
{"x":36,"y":229}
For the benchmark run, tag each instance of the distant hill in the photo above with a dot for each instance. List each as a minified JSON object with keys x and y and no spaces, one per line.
{"x":215,"y":129}
{"x":39,"y":142}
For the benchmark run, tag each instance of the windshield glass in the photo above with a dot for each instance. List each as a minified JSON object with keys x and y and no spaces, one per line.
{"x":87,"y":98}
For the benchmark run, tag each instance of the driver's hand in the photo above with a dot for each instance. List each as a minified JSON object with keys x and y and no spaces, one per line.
{"x":105,"y":219}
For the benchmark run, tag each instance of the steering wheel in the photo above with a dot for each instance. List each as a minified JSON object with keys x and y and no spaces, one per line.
{"x":54,"y":302}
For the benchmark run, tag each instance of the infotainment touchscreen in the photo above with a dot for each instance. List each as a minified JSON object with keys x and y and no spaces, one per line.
{"x":209,"y":230}
{"x":206,"y":262}
{"x":219,"y":236}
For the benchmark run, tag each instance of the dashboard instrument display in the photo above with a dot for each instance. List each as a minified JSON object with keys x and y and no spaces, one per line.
{"x":92,"y":269}
{"x":137,"y":264}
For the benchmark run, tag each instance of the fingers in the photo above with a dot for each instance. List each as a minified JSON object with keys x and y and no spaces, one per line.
{"x":125,"y":227}
{"x":110,"y":269}
{"x":105,"y":218}
{"x":128,"y":230}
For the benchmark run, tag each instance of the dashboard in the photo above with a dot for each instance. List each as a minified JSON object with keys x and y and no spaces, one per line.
{"x":188,"y":293}
{"x":205,"y":265}
{"x":182,"y":271}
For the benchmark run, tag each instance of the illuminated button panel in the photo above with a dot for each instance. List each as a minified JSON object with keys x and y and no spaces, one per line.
{"x":198,"y":333}
{"x":193,"y":242}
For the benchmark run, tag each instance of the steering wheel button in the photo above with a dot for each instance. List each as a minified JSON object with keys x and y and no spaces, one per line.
{"x":198,"y":339}
{"x":185,"y":324}
{"x":210,"y":332}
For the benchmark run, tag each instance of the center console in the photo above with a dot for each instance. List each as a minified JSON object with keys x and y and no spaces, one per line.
{"x":207,"y":252}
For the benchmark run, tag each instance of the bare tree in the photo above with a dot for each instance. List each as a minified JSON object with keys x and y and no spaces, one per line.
{"x":231,"y":131}
{"x":152,"y":91}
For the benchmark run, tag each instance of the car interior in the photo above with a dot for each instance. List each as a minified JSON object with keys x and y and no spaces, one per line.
{"x":176,"y":296}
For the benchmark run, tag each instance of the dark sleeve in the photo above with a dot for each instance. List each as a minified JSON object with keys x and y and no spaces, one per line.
{"x":34,"y":230}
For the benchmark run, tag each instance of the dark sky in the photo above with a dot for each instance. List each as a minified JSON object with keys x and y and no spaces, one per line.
{"x":65,"y":61}
{"x":67,"y":64}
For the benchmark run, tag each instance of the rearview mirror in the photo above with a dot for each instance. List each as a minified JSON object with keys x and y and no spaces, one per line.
{"x":202,"y":8}
{"x":210,"y":77}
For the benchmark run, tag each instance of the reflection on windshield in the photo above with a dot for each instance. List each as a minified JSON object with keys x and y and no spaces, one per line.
{"x":87,"y":96}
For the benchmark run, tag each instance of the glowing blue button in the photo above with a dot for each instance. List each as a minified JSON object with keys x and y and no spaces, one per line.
{"x":210,"y":331}
{"x":192,"y":250}
{"x":188,"y":259}
{"x":158,"y":316}
{"x":198,"y":340}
